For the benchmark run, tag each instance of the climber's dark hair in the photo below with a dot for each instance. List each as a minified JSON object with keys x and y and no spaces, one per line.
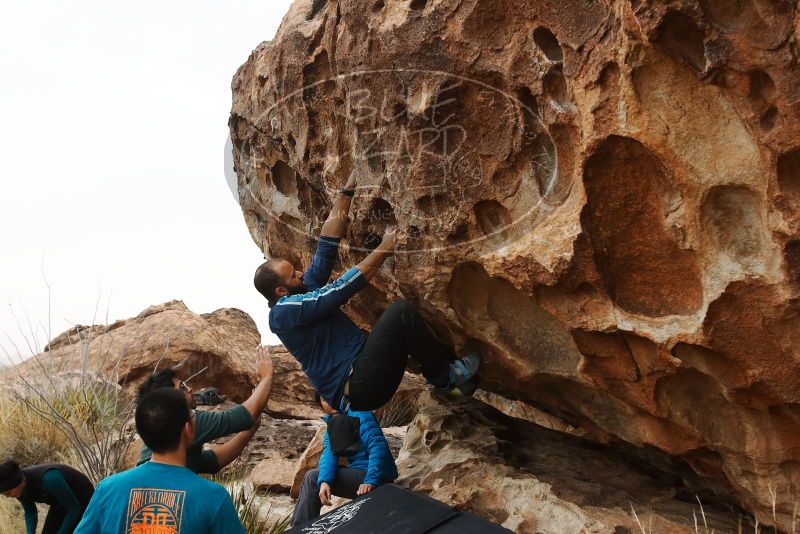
{"x":267,"y":280}
{"x":160,"y":418}
{"x":317,"y":398}
{"x":164,"y":379}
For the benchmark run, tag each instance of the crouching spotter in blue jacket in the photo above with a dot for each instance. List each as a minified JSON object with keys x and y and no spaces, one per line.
{"x":370,"y":467}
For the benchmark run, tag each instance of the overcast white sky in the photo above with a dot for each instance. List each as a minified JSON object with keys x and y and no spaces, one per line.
{"x":114,"y":121}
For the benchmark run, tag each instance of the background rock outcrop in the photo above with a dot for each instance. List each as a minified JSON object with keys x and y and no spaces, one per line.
{"x":218,"y":347}
{"x":602,"y":197}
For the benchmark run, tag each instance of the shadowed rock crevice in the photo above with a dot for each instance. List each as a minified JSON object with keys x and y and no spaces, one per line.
{"x":533,"y":174}
{"x":512,"y":177}
{"x":431,"y":204}
{"x":765,"y":23}
{"x":555,"y":87}
{"x":316,"y":7}
{"x":319,"y":70}
{"x":545,"y":164}
{"x":628,"y":195}
{"x":548,"y":44}
{"x":769,"y":119}
{"x":760,"y":85}
{"x":680,"y":37}
{"x":284,"y":178}
{"x":729,"y":373}
{"x":791,"y":257}
{"x":492,"y":216}
{"x":732,"y":216}
{"x":789,"y":177}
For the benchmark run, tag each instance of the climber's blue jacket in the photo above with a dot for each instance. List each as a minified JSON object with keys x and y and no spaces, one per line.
{"x":373,"y":455}
{"x":313,"y":328}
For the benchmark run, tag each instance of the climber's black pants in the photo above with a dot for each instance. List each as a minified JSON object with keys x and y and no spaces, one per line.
{"x":377,"y":371}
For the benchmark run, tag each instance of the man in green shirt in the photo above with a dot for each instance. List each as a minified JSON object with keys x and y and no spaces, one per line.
{"x":242,"y":420}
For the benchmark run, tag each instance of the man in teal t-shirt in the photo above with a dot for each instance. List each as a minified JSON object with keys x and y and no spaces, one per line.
{"x":162,"y":495}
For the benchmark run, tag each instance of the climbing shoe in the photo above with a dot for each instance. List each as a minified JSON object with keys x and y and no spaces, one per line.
{"x":463,"y":371}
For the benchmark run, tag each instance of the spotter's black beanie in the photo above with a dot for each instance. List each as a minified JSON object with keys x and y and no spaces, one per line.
{"x":10,"y":475}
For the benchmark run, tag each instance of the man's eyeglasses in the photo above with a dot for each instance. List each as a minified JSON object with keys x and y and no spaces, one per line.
{"x":182,"y":384}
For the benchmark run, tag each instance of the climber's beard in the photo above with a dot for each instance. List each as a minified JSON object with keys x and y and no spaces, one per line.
{"x":299,"y":289}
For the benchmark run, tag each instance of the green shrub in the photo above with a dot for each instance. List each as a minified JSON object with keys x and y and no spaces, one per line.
{"x":250,"y":505}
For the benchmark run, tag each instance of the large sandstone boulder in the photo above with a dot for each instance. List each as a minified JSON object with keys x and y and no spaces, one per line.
{"x":218,"y":347}
{"x":603,"y":197}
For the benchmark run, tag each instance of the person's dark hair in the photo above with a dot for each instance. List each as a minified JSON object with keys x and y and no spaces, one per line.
{"x":267,"y":281}
{"x":160,"y":417}
{"x":317,"y":398}
{"x":164,"y":379}
{"x":10,"y":475}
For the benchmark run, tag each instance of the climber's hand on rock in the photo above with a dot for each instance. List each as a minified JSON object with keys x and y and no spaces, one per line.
{"x":363,"y":489}
{"x":264,"y":366}
{"x":389,"y":238}
{"x":325,"y":494}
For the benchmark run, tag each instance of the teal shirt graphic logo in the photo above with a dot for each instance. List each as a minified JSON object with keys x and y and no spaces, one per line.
{"x":154,"y":511}
{"x":158,"y":498}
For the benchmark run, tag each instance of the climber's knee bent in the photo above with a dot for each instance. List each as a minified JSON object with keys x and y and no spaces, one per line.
{"x":378,"y":370}
{"x":399,"y":312}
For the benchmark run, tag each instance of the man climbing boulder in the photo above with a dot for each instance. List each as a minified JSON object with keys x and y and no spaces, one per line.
{"x":345,"y":365}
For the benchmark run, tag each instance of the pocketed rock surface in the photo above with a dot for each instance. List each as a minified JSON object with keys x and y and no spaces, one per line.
{"x":602,"y":197}
{"x":532,"y":479}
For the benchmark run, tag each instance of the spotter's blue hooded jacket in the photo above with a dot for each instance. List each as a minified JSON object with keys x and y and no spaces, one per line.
{"x":373,"y":456}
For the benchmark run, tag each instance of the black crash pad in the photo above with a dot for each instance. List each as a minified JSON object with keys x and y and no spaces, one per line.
{"x":390,"y":509}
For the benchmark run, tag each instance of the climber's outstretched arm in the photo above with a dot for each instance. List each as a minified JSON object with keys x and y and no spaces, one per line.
{"x":337,"y":219}
{"x":230,"y":450}
{"x":257,"y":402}
{"x":372,"y":263}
